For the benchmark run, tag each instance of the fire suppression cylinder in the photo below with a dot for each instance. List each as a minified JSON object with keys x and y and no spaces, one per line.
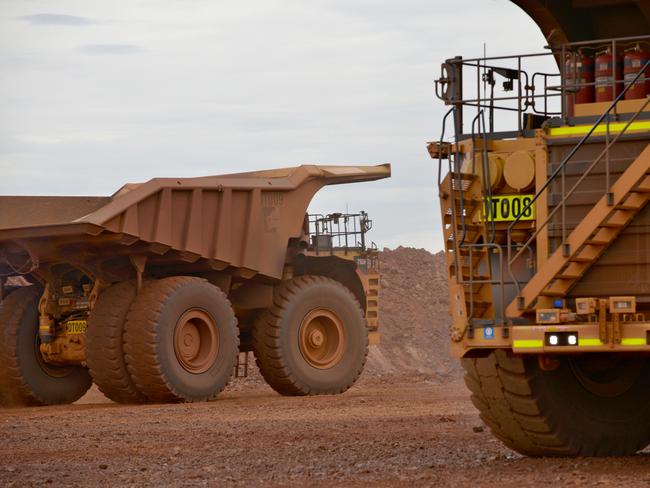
{"x":606,"y":88}
{"x":635,"y":59}
{"x":579,"y":80}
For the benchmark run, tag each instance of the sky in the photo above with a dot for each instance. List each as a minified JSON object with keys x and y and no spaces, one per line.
{"x":95,"y":94}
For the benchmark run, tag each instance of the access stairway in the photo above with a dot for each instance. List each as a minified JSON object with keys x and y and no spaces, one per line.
{"x":590,"y":238}
{"x":467,"y":259}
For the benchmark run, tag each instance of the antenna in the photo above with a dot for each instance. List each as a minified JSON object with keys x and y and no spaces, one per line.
{"x":484,"y":67}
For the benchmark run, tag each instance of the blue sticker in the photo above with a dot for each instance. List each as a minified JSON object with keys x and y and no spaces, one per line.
{"x":488,"y":332}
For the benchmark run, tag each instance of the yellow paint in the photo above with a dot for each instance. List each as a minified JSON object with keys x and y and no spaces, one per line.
{"x":75,"y":327}
{"x":528,"y":343}
{"x":506,"y":208}
{"x":633,"y":341}
{"x":589,"y":342}
{"x":614,"y":128}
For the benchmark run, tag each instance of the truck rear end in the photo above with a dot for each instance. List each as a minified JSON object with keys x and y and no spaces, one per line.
{"x":546,"y":231}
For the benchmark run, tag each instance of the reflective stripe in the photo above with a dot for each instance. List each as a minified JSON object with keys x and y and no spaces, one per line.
{"x":528,"y":343}
{"x":614,"y":128}
{"x":589,"y":342}
{"x":633,"y":341}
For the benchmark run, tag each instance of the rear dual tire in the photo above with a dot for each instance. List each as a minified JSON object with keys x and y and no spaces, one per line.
{"x":592,"y":405}
{"x":105,"y":344}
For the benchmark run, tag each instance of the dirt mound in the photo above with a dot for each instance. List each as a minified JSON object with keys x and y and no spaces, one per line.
{"x":414,"y":320}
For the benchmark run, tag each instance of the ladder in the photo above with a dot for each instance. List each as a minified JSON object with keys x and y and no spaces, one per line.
{"x":461,"y":202}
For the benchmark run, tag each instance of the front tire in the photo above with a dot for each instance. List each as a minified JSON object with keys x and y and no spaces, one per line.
{"x":591,"y":405}
{"x":25,"y":378}
{"x":181,"y":340}
{"x":314,"y":340}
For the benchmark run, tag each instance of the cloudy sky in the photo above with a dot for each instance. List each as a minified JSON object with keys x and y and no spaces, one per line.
{"x":95,"y":93}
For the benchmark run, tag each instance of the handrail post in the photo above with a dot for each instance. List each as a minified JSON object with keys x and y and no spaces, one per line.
{"x":519,"y":111}
{"x":614,"y":76}
{"x":563,"y":84}
{"x":610,"y":195}
{"x":565,"y":244}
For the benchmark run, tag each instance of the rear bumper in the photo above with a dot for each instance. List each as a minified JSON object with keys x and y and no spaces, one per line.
{"x":632,"y":337}
{"x":536,"y":339}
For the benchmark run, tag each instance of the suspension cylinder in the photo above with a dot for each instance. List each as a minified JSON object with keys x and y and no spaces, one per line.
{"x":606,"y":87}
{"x":634,"y":61}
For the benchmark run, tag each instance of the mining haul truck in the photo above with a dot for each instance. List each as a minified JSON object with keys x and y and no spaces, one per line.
{"x":544,"y":186}
{"x":154,"y":292}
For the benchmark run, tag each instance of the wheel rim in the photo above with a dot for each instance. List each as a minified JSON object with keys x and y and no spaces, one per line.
{"x":606,"y":377}
{"x":322,"y":338}
{"x":196,"y":342}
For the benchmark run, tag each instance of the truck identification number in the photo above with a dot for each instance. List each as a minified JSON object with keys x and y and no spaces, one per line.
{"x":75,"y":327}
{"x":505,"y":208}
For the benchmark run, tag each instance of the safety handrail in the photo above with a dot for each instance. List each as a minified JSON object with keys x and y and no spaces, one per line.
{"x":485,"y":167}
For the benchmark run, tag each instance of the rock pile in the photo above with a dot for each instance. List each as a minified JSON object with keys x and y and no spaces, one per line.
{"x":414,"y":319}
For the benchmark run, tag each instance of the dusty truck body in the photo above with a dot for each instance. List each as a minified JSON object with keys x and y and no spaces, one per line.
{"x":153,"y":292}
{"x":543,"y":193}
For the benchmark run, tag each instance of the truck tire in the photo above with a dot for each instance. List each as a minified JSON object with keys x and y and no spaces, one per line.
{"x":25,"y":379}
{"x":591,"y":405}
{"x":181,"y":340}
{"x":314,"y":340}
{"x":105,"y":344}
{"x":7,"y":290}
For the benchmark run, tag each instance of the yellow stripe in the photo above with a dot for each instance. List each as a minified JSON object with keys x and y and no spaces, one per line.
{"x":633,"y":341}
{"x":589,"y":342}
{"x":614,"y":128}
{"x":527,"y":343}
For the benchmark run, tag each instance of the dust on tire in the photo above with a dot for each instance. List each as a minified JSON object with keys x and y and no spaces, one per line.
{"x":276,"y":338}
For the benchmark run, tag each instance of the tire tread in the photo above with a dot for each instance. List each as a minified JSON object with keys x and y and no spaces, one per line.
{"x":266,"y":339}
{"x":141,"y":329}
{"x":105,"y":347}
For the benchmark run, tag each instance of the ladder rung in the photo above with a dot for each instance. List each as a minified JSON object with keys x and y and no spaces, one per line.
{"x":581,"y":259}
{"x":475,"y":251}
{"x":569,"y":276}
{"x":477,"y":277}
{"x":551,"y":293}
{"x":595,"y":241}
{"x":466,"y":176}
{"x":603,"y":236}
{"x":468,"y":200}
{"x":627,"y":206}
{"x":480,"y":303}
{"x":467,"y":227}
{"x":612,"y":225}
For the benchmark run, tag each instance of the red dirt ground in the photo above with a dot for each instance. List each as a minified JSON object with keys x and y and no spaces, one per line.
{"x":407,"y":422}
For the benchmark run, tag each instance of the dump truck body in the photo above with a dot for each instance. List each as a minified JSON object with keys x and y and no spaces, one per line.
{"x":546,"y":231}
{"x":219,"y":221}
{"x":237,"y":238}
